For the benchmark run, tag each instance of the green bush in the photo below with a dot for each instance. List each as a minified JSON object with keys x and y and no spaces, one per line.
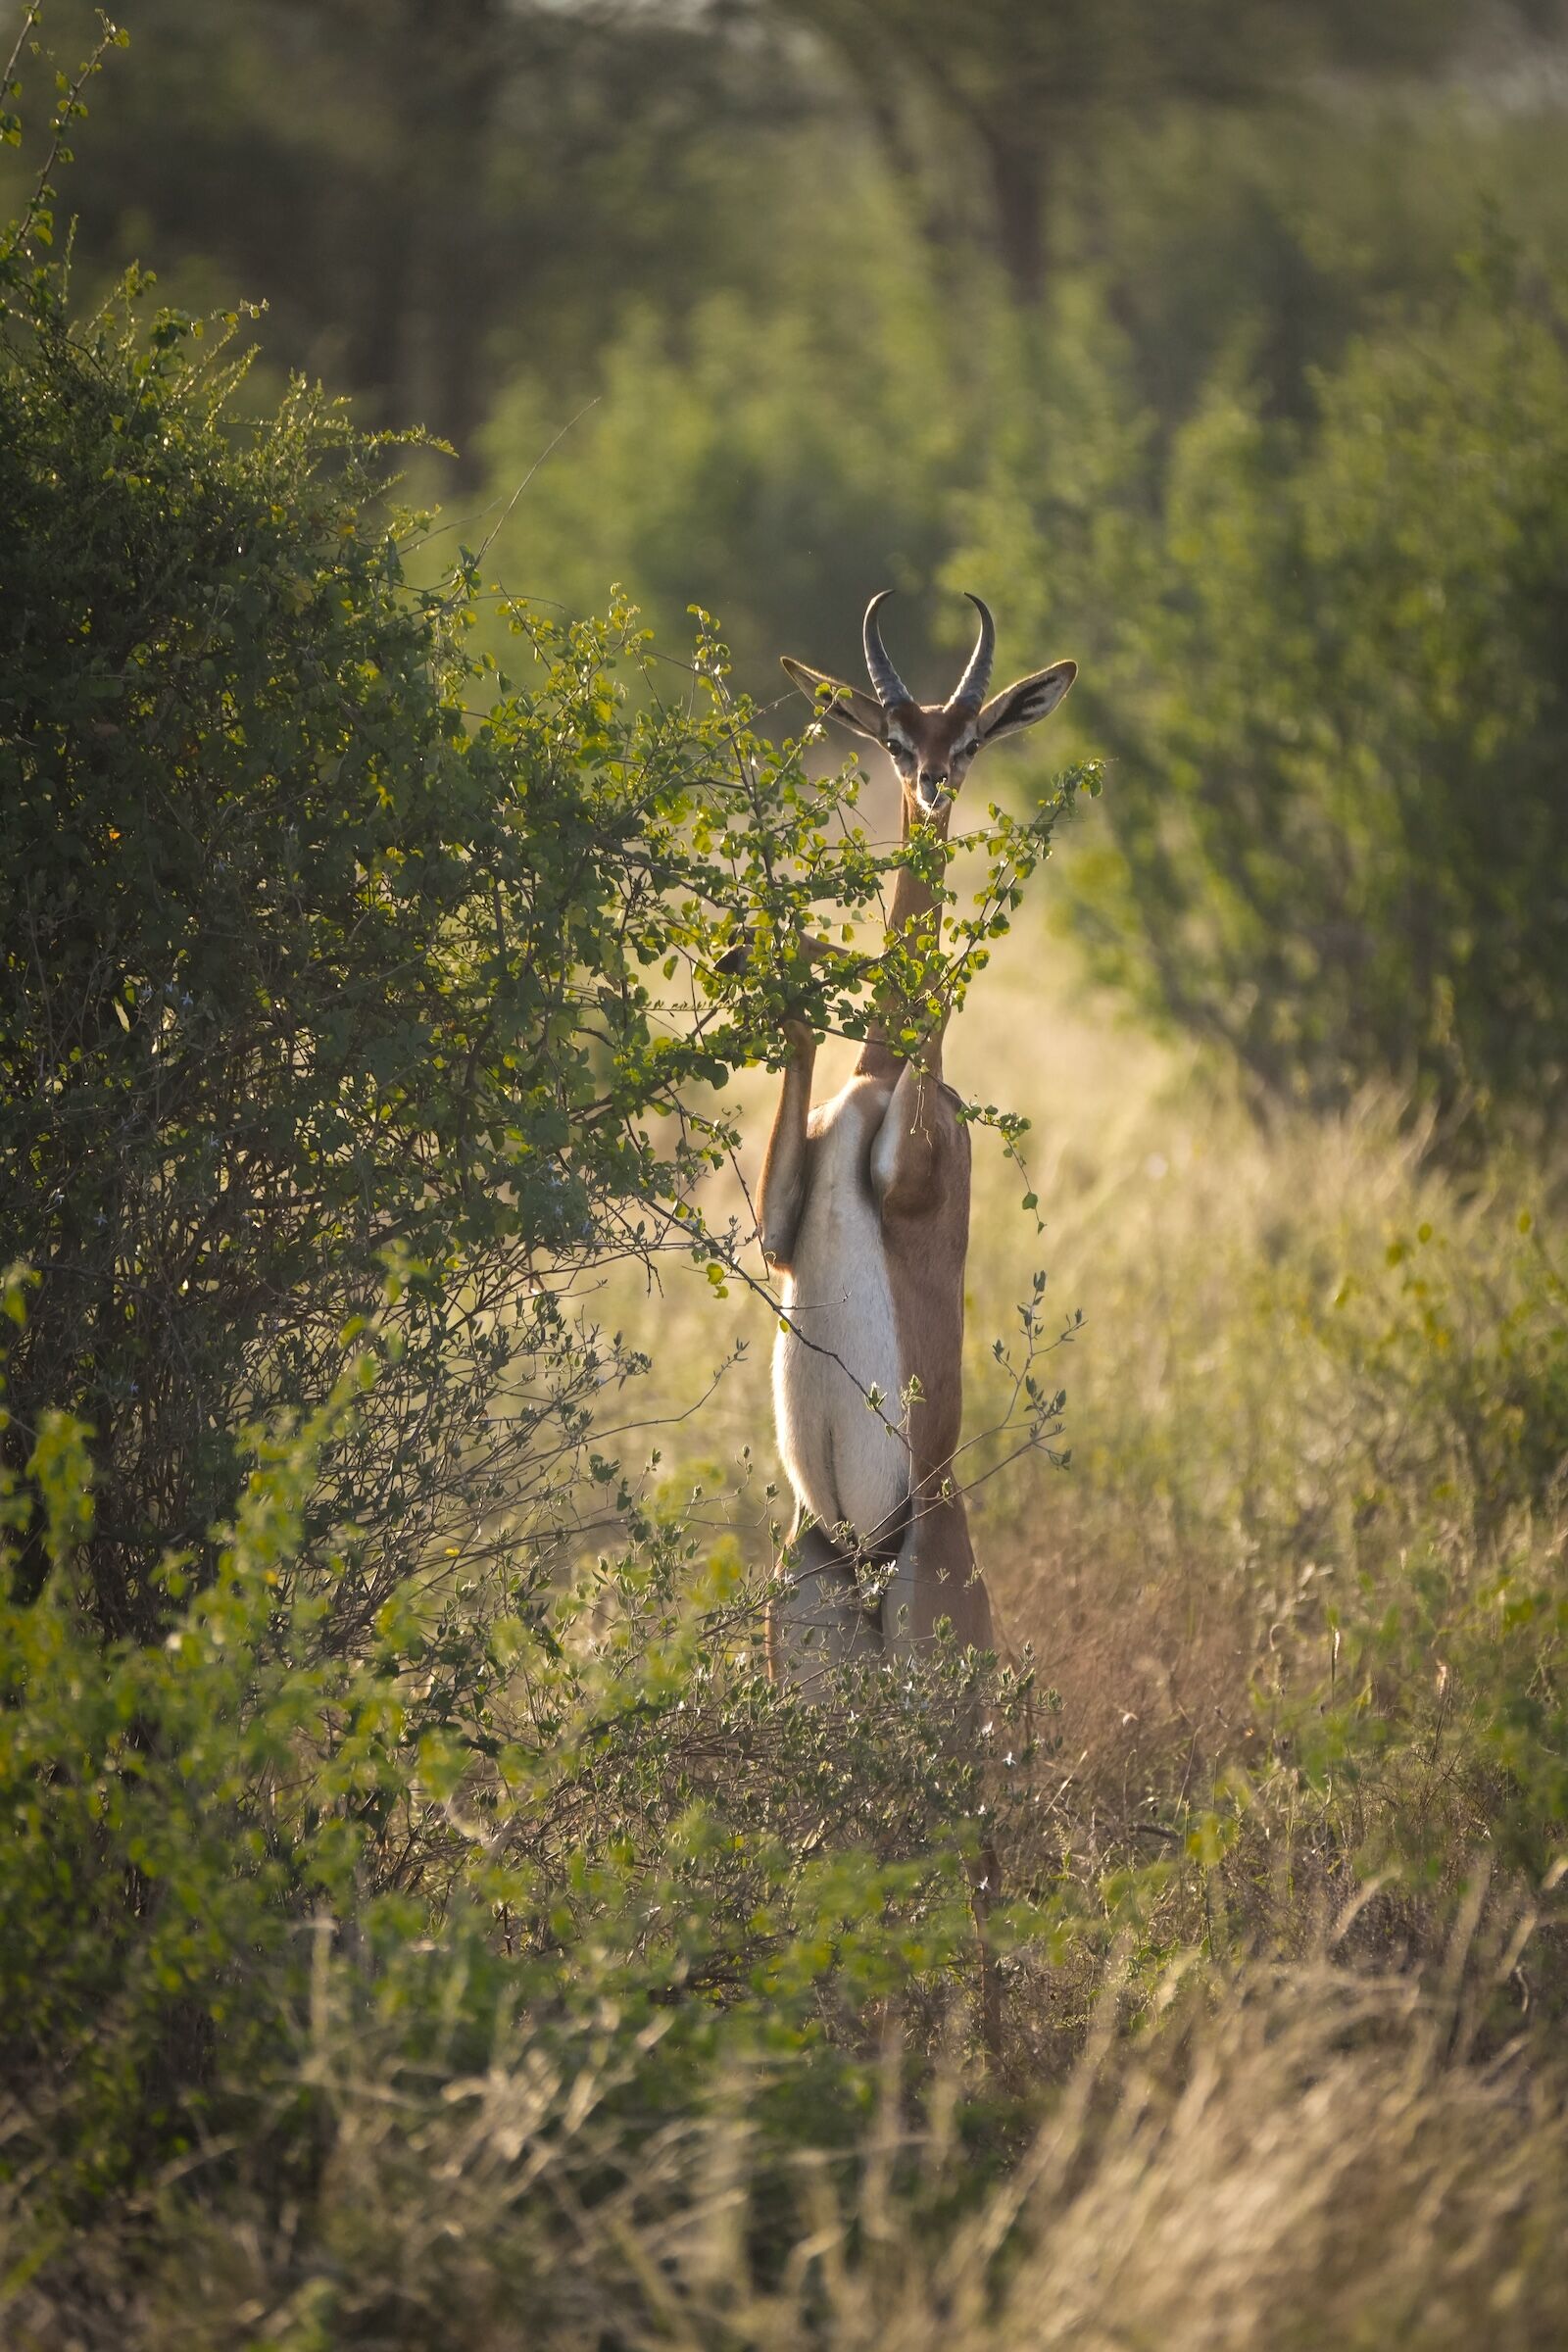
{"x":1427,"y":1696}
{"x":1457,"y":1352}
{"x":357,"y":1000}
{"x":591,"y":1809}
{"x":329,"y":949}
{"x":1328,"y":669}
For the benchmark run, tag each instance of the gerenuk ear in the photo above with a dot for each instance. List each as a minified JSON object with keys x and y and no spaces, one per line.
{"x":849,"y":706}
{"x":1028,"y":701}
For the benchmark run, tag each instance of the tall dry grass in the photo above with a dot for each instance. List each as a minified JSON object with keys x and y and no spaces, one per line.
{"x":1305,"y":2160}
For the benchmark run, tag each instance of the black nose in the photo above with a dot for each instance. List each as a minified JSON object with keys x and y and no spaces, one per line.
{"x":931,"y":779}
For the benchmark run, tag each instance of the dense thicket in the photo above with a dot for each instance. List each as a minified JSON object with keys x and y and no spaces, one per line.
{"x":354,"y":1006}
{"x":331,"y":957}
{"x":1329,"y":674}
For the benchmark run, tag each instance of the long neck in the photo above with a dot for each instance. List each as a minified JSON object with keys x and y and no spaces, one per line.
{"x":915,"y":905}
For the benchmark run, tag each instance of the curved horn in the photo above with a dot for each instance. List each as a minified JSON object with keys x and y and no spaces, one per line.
{"x":890,"y":687}
{"x":970,"y":691}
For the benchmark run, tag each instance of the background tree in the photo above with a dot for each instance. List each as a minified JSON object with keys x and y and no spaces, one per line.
{"x":1329,"y":674}
{"x":1019,"y":96}
{"x":421,"y":193}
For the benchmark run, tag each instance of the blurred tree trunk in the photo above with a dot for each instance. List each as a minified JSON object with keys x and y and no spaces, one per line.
{"x":1016,"y":168}
{"x":1010,"y":91}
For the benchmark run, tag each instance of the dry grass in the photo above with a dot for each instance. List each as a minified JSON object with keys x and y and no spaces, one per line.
{"x":1306,"y":2161}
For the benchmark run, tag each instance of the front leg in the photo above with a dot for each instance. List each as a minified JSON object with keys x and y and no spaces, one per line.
{"x":781,"y":1197}
{"x":911,"y":1157}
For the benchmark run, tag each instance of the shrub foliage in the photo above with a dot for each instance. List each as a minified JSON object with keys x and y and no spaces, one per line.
{"x":360,"y":1000}
{"x":1326,"y":662}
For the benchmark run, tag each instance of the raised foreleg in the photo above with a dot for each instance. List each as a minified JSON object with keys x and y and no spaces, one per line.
{"x":912,"y":1156}
{"x":781,"y":1196}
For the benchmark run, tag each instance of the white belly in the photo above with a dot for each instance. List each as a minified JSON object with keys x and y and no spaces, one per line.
{"x":846,"y":1461}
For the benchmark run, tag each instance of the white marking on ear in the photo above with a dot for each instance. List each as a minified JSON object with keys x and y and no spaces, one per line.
{"x":1027,"y":700}
{"x":850,"y":708}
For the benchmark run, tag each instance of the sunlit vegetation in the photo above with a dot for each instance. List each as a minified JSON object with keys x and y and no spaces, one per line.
{"x":421,"y":1919}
